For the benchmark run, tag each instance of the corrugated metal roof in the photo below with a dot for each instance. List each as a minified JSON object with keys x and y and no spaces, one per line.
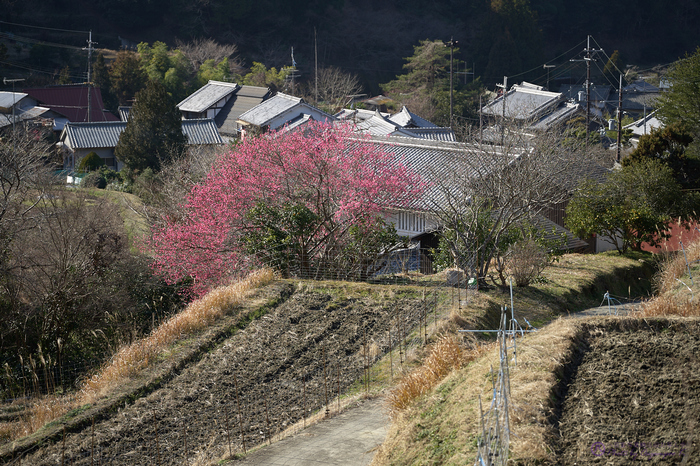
{"x":94,"y":135}
{"x":71,"y":101}
{"x":262,"y":114}
{"x":25,"y":114}
{"x":201,"y":131}
{"x":206,"y":96}
{"x":565,"y":112}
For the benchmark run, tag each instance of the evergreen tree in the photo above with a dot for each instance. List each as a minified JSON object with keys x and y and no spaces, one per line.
{"x":101,"y":79}
{"x":681,"y":103}
{"x":425,"y":88}
{"x":153,"y":135}
{"x":126,"y":77}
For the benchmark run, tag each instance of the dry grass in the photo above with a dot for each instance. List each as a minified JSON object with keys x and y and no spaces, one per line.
{"x":445,"y":355}
{"x":676,"y":291}
{"x":40,"y":412}
{"x":131,"y":359}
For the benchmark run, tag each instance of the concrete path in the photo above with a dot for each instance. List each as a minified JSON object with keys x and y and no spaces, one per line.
{"x":349,"y":438}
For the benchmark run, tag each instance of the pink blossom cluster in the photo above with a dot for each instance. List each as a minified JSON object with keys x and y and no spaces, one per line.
{"x":339,"y":177}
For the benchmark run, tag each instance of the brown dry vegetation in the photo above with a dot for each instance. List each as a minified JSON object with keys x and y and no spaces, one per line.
{"x":678,"y":292}
{"x":441,"y":425}
{"x":129,"y":360}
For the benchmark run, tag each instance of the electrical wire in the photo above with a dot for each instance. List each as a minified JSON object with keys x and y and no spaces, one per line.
{"x":44,"y":28}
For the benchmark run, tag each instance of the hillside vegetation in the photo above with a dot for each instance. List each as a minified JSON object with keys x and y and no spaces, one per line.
{"x":583,"y":389}
{"x":304,"y":337}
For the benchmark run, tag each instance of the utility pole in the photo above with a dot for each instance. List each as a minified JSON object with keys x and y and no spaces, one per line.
{"x":89,"y":80}
{"x":590,"y":56}
{"x":619,"y":122}
{"x":548,"y":67}
{"x":316,"y":67}
{"x":503,"y":121}
{"x":451,"y":43}
{"x":14,"y":97}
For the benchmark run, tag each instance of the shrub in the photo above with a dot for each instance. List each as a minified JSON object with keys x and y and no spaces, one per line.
{"x":94,"y":180}
{"x":90,"y":162}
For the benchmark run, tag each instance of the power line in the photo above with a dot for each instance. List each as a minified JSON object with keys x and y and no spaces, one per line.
{"x":42,"y":27}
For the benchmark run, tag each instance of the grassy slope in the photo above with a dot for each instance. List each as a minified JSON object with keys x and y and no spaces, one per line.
{"x":441,"y":427}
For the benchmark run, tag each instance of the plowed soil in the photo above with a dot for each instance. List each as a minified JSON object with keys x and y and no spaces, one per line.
{"x":635,"y":398}
{"x":279,"y":368}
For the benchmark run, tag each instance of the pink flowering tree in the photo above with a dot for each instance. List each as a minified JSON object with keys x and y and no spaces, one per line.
{"x":302,"y":202}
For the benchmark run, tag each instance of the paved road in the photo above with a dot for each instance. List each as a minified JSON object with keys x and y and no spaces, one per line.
{"x":348,"y":439}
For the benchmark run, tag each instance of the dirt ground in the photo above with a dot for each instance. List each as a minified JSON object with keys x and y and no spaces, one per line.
{"x":634,"y":398}
{"x":272,"y":370}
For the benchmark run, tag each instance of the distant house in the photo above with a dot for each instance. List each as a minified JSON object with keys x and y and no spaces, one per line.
{"x":531,"y":107}
{"x":277,"y":111}
{"x":19,"y":107}
{"x":79,"y":139}
{"x":224,"y":103}
{"x":70,"y":103}
{"x":643,"y":126}
{"x":403,"y":123}
{"x":639,"y":99}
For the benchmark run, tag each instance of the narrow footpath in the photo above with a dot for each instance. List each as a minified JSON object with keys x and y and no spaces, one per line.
{"x":349,"y":439}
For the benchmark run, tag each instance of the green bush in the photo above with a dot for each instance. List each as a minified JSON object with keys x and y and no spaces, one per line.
{"x":94,"y":179}
{"x":90,"y":162}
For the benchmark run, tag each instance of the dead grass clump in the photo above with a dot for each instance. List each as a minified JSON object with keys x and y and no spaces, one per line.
{"x":667,"y":306}
{"x":445,"y":355}
{"x":41,"y":411}
{"x":675,"y":267}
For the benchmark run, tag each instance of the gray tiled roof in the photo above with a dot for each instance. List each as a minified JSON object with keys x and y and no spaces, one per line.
{"x":438,"y":163}
{"x":94,"y":135}
{"x":406,"y":118}
{"x":206,"y":96}
{"x":523,"y":102}
{"x":436,"y":133}
{"x":262,"y":114}
{"x":645,"y":125}
{"x":201,"y":131}
{"x":105,"y":134}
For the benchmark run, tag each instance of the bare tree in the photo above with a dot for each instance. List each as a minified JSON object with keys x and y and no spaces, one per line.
{"x":487,"y":193}
{"x":200,"y":50}
{"x":334,"y":88}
